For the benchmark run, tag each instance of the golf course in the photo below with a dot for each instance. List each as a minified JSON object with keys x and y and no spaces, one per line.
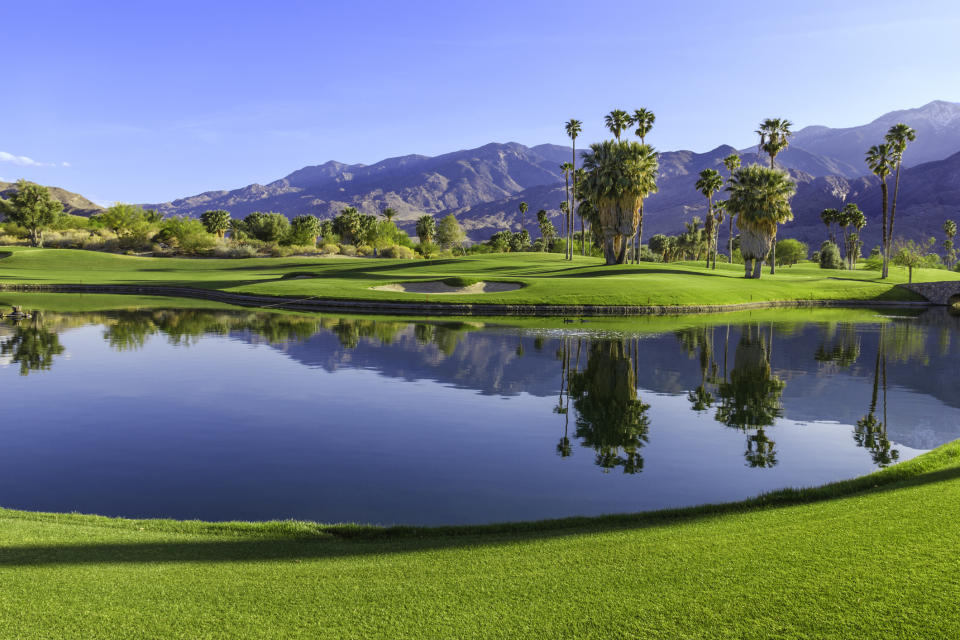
{"x":544,"y":278}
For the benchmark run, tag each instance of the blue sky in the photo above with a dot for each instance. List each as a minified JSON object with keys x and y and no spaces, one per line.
{"x":145,"y":102}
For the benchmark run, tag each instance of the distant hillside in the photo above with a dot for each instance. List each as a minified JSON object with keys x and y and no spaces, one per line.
{"x":938,"y":135}
{"x":483,"y":187}
{"x":73,"y":203}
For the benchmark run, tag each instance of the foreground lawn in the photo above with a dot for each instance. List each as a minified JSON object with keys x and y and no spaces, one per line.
{"x":869,"y":558}
{"x":547,"y":278}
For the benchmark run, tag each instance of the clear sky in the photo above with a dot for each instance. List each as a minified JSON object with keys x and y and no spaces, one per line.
{"x":149,"y":101}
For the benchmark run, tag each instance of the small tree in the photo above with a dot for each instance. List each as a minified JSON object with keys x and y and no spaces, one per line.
{"x":426,"y":229}
{"x":216,"y":221}
{"x":500,"y":241}
{"x":660,"y":244}
{"x":186,"y":234}
{"x":910,"y":254}
{"x":268,"y":227}
{"x":829,"y":255}
{"x":520,"y":241}
{"x":790,"y":251}
{"x":31,"y":206}
{"x":128,"y":221}
{"x":449,"y":232}
{"x":304,"y":230}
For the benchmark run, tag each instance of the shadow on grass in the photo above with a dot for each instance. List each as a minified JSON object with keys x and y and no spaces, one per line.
{"x":337,"y":541}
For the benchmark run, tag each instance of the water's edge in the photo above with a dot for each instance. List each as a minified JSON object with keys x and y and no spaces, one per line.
{"x":436,"y":308}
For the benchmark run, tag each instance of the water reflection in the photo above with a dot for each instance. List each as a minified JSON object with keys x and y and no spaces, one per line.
{"x":31,"y":345}
{"x":602,"y":377}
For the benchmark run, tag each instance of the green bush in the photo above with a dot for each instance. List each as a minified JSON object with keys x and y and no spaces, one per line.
{"x":330,"y":249}
{"x":460,"y":281}
{"x":830,"y":256}
{"x":348,"y":250}
{"x":398,"y":251}
{"x":364,"y":250}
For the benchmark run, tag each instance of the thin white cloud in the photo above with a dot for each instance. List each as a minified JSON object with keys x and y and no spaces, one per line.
{"x":22,"y":161}
{"x":65,"y":164}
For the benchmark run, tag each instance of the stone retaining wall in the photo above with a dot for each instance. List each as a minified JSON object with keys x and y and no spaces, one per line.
{"x":936,"y":292}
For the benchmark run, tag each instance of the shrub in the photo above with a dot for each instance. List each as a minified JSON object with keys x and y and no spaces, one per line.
{"x":230,"y":250}
{"x":330,"y":249}
{"x":365,"y":250}
{"x":398,"y":251}
{"x":9,"y":240}
{"x":427,"y":249}
{"x":348,"y":250}
{"x":460,"y":281}
{"x":830,"y":256}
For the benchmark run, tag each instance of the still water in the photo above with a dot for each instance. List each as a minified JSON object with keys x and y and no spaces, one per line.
{"x":239,"y":414}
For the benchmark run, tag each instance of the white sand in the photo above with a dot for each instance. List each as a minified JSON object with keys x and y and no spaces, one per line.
{"x":438,"y":287}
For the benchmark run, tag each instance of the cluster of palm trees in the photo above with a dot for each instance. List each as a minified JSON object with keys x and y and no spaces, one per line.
{"x":885,"y":159}
{"x":617,"y":176}
{"x":850,"y":221}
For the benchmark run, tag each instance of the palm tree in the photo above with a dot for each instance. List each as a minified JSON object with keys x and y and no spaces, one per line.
{"x":573,"y":128}
{"x":619,"y":176}
{"x":709,"y":183}
{"x":732,"y":163}
{"x":879,"y":159}
{"x":643,"y":119}
{"x":567,"y":170}
{"x":426,"y":228}
{"x":950,"y":229}
{"x":760,"y":198}
{"x":828,"y":217}
{"x":389,"y":213}
{"x":897,"y":137}
{"x":523,"y":210}
{"x":719,"y":212}
{"x":578,"y":177}
{"x":617,"y":120}
{"x":774,"y":137}
{"x":851,"y":216}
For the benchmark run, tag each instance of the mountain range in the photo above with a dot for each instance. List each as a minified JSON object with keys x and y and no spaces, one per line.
{"x":483,"y":187}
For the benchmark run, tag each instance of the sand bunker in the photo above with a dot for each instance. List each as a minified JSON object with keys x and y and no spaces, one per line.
{"x":438,"y":287}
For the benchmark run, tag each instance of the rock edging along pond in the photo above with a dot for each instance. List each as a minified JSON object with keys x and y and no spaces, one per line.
{"x":439,"y":308}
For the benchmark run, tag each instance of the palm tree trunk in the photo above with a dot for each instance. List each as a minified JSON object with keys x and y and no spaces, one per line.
{"x":730,"y":239}
{"x":893,"y":206}
{"x":884,"y":242}
{"x":747,"y":270}
{"x":757,"y":268}
{"x":773,"y":254}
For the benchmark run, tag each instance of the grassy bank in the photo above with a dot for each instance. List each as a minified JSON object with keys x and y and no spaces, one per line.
{"x":869,"y":558}
{"x":547,"y":278}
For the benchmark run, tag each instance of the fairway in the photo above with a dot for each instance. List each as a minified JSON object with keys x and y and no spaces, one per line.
{"x":546,"y":278}
{"x":868,"y":558}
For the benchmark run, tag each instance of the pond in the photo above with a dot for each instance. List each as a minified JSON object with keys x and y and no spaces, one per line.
{"x":226,"y":413}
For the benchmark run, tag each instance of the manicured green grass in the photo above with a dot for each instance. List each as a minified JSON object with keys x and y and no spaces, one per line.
{"x":548,"y":279}
{"x":869,"y":558}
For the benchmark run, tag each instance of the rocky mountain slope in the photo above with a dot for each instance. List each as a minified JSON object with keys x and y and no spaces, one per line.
{"x":73,"y":203}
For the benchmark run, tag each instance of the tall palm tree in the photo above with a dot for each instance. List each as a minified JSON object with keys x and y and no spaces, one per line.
{"x":774,"y":137}
{"x":643,"y":119}
{"x":879,"y":159}
{"x":573,"y":129}
{"x":760,"y":198}
{"x":708,"y":184}
{"x":523,"y":210}
{"x":851,"y":217}
{"x":567,"y":170}
{"x":732,"y":163}
{"x":619,"y":176}
{"x":617,"y":120}
{"x":389,"y":213}
{"x":897,"y":137}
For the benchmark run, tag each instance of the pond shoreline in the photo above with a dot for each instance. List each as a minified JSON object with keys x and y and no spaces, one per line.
{"x":442,"y":308}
